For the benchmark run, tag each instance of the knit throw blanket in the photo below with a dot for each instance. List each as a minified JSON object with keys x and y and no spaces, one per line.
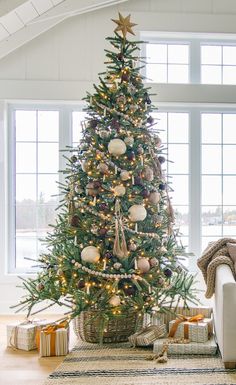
{"x":214,"y":255}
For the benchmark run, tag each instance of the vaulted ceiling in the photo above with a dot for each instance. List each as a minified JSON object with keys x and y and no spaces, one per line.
{"x":21,"y":21}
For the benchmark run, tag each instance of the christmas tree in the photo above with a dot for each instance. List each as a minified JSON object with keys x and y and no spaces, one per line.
{"x":114,"y":248}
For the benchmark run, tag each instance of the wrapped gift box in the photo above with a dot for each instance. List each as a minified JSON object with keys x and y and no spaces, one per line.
{"x":148,"y":335}
{"x":21,"y":335}
{"x":199,"y":331}
{"x":207,"y":348}
{"x":167,"y":316}
{"x":53,"y":340}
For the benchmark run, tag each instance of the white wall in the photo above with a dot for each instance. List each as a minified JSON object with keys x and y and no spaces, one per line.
{"x":63,"y":63}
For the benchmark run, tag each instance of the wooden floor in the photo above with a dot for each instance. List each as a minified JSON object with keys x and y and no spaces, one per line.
{"x":21,"y":367}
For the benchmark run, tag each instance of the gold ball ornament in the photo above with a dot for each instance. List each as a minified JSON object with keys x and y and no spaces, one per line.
{"x":124,"y":175}
{"x":114,"y":300}
{"x":90,"y":254}
{"x":143,"y":265}
{"x":104,"y":134}
{"x":154,"y":197}
{"x":119,"y":190}
{"x":154,"y":262}
{"x":103,"y":168}
{"x":116,"y":147}
{"x":148,"y":174}
{"x":129,"y":141}
{"x":132,"y":246}
{"x":91,"y":190}
{"x":137,"y":213}
{"x":85,"y":166}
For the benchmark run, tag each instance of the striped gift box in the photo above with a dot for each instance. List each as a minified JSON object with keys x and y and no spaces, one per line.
{"x":206,"y":348}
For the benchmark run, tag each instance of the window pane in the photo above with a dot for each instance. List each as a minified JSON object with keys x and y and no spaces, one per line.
{"x":47,"y":187}
{"x":156,"y":53}
{"x":211,"y":159}
{"x":178,"y":127}
{"x":229,"y":128}
{"x":25,"y":188}
{"x":177,"y":73}
{"x":48,"y":158}
{"x":179,"y":183}
{"x":229,"y":166}
{"x":211,"y":74}
{"x":48,"y":126}
{"x":25,"y":122}
{"x":211,"y":190}
{"x":229,"y":221}
{"x":229,"y":75}
{"x":182,"y":219}
{"x":211,"y":128}
{"x":46,"y":216}
{"x":161,"y":124}
{"x":211,"y":220}
{"x":156,"y":73}
{"x":25,"y":217}
{"x":77,"y":118}
{"x":25,"y":247}
{"x":178,"y":153}
{"x":211,"y":54}
{"x":178,"y":53}
{"x":229,"y":190}
{"x":229,"y":55}
{"x":26,"y":157}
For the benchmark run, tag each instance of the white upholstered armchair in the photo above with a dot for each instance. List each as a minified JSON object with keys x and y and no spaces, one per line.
{"x":225,"y":314}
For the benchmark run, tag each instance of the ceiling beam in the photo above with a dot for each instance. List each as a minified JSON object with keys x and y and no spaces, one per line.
{"x":48,"y":20}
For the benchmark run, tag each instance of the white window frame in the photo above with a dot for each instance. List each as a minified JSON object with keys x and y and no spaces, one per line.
{"x":194,"y":40}
{"x":65,"y":139}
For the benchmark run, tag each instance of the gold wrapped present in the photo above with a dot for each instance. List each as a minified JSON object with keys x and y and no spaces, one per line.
{"x":53,"y":339}
{"x":195,"y":329}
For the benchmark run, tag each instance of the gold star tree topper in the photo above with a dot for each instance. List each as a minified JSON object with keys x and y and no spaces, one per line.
{"x":124,"y":25}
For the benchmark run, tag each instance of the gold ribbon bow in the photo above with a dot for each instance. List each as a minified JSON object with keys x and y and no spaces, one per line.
{"x":50,"y":329}
{"x":182,"y":318}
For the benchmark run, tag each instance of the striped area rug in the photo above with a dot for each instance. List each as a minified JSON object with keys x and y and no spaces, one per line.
{"x":118,"y":364}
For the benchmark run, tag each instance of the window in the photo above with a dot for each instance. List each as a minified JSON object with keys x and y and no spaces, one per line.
{"x":174,"y":131}
{"x":218,"y":64}
{"x":218,"y":176}
{"x":199,"y":143}
{"x":167,"y":63}
{"x":189,"y":58}
{"x":36,"y":136}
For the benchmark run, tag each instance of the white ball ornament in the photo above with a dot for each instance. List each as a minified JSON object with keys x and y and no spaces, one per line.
{"x":143,"y":265}
{"x":129,"y":141}
{"x":116,"y":147}
{"x":124,"y":175}
{"x":90,"y":254}
{"x":114,"y":301}
{"x":137,"y":213}
{"x":119,"y":190}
